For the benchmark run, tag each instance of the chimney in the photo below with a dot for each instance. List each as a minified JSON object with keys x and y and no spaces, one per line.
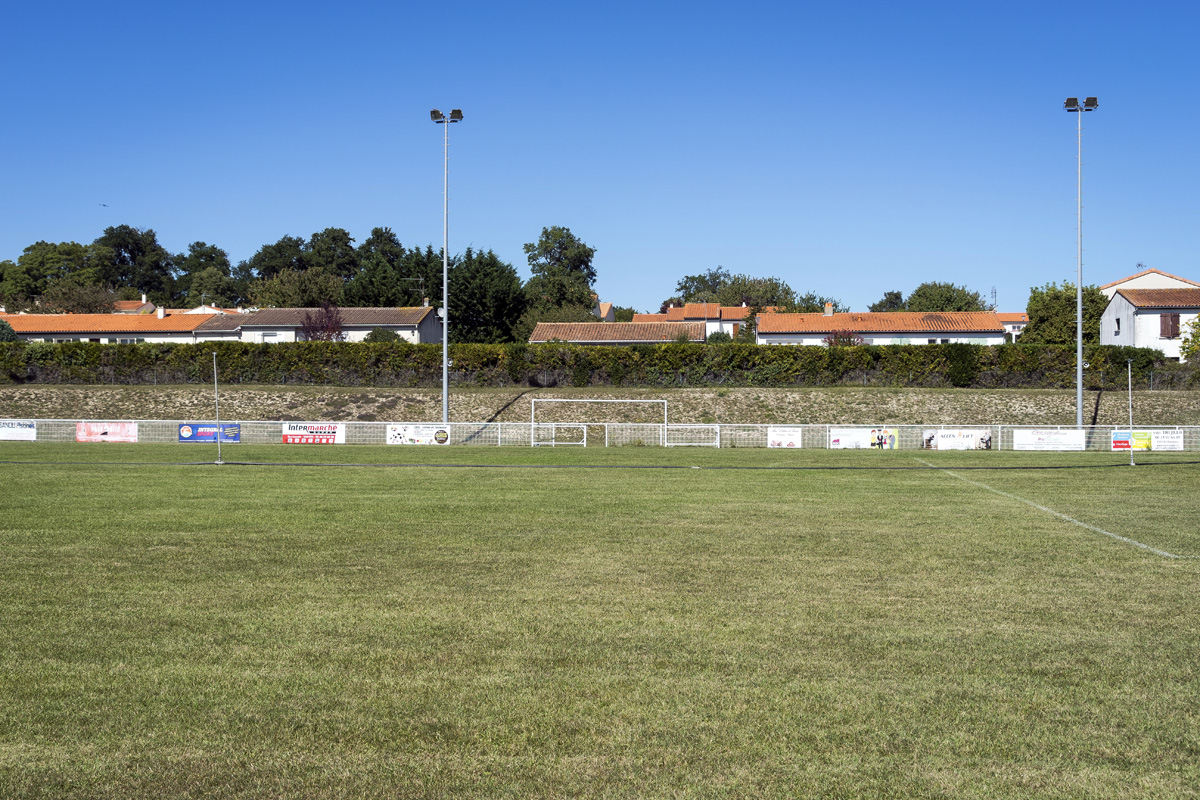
{"x":143,"y":297}
{"x":426,"y":303}
{"x":162,"y":312}
{"x":829,"y":309}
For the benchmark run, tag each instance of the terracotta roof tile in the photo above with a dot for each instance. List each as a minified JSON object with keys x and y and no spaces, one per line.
{"x":1012,"y":316}
{"x":104,"y":323}
{"x":616,"y":332}
{"x":883,"y":322}
{"x":294,"y":317}
{"x":649,"y":318}
{"x":1162,"y":298}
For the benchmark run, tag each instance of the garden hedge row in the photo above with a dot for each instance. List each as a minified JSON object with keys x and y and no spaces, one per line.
{"x":674,"y":364}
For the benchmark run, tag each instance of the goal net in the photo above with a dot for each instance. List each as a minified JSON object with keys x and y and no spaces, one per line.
{"x":558,"y":421}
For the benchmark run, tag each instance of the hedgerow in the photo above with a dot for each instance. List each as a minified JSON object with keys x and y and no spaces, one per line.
{"x":560,"y":364}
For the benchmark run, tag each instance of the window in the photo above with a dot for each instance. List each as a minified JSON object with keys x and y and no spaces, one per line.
{"x":932,"y":341}
{"x":1117,"y":332}
{"x":1168,"y":326}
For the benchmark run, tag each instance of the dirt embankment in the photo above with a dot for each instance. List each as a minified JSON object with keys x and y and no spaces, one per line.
{"x":743,"y":405}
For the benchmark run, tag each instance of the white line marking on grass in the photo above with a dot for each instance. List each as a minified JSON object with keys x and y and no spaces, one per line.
{"x":1058,"y":514}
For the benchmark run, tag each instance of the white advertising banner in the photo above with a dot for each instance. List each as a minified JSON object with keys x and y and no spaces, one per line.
{"x":106,"y":431}
{"x":418,"y":434}
{"x":778,"y":436}
{"x":957,"y":439}
{"x":314,"y":433}
{"x":18,"y":430}
{"x":1069,"y":439}
{"x":863,"y":438}
{"x":1166,"y":440}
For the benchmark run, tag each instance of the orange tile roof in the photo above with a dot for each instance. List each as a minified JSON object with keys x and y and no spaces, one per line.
{"x":616,"y":332}
{"x":1162,"y":298}
{"x":1150,"y":271}
{"x":104,"y":323}
{"x":649,"y":318}
{"x":883,"y":322}
{"x":131,"y":306}
{"x":1012,"y":316}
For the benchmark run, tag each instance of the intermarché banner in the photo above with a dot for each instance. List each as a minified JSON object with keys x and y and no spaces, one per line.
{"x":314,"y":433}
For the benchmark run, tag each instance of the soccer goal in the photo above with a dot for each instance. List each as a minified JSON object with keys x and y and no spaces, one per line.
{"x":635,"y":420}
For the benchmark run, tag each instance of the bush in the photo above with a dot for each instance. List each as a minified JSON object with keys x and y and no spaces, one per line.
{"x":381,"y":335}
{"x":7,"y":334}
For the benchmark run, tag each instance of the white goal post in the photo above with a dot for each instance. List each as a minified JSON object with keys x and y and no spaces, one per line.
{"x":534,"y":424}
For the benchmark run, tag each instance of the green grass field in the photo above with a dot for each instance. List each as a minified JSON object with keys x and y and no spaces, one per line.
{"x":521,"y":622}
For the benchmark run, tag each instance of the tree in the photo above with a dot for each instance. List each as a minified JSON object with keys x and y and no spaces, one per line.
{"x":293,"y":289}
{"x":391,"y":275}
{"x":71,"y":298}
{"x":1189,"y":348}
{"x":750,"y":291}
{"x":205,"y":276}
{"x":1051,"y":312}
{"x":702,"y":288}
{"x":7,"y":334}
{"x":534,"y":315}
{"x":286,"y":255}
{"x":843,"y":338}
{"x":138,"y":261}
{"x":558,"y":251}
{"x":377,"y":335}
{"x":333,"y":250}
{"x":323,"y":324}
{"x":623,"y":313}
{"x":812,"y":303}
{"x":891,"y":301}
{"x":933,"y":296}
{"x":719,"y":337}
{"x":486,"y":299}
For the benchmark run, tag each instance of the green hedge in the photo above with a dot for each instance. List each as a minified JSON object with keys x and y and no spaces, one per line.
{"x":674,"y":364}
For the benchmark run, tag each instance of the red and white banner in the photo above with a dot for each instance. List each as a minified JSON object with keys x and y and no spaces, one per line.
{"x":314,"y":433}
{"x":106,"y":431}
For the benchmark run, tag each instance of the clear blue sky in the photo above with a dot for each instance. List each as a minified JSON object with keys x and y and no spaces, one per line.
{"x":848,"y":148}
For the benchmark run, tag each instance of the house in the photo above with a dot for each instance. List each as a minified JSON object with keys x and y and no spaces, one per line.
{"x":616,"y":333}
{"x":885,"y":327}
{"x":1155,"y":318}
{"x":157,"y":328}
{"x":133,"y":306}
{"x":1013,"y":321}
{"x":716,"y":318}
{"x":272,"y":325}
{"x":604,"y":311}
{"x":1148,"y":279}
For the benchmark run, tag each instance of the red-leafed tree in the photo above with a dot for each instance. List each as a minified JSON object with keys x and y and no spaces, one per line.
{"x":845,"y":338}
{"x":323,"y":325}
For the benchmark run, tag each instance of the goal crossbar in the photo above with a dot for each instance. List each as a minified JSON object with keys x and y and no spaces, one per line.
{"x":533,"y":407}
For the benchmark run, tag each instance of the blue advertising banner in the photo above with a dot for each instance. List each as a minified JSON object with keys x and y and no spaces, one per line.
{"x":196,"y":432}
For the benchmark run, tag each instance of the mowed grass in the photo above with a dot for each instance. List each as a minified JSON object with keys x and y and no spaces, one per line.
{"x":557,"y":623}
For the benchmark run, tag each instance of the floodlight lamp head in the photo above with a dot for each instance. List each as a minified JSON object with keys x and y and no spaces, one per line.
{"x":1090,"y":104}
{"x":437,"y":116}
{"x":456,"y":114}
{"x":1072,"y":104}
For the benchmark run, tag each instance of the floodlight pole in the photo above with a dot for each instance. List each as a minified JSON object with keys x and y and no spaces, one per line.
{"x":442,"y":119}
{"x":1072,"y":104}
{"x":217,"y":407}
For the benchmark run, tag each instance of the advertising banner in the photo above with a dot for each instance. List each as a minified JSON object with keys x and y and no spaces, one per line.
{"x":784,"y":436}
{"x":418,"y":434}
{"x":106,"y":431}
{"x":1072,"y":439}
{"x":863,"y":438}
{"x":1166,"y":440}
{"x":18,"y":430}
{"x":207,"y":432}
{"x":957,"y":439}
{"x":314,"y":433}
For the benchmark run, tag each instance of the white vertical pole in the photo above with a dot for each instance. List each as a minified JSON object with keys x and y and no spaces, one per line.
{"x":217,"y":406}
{"x":1129,"y":369}
{"x":1079,"y":276}
{"x":446,"y":276}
